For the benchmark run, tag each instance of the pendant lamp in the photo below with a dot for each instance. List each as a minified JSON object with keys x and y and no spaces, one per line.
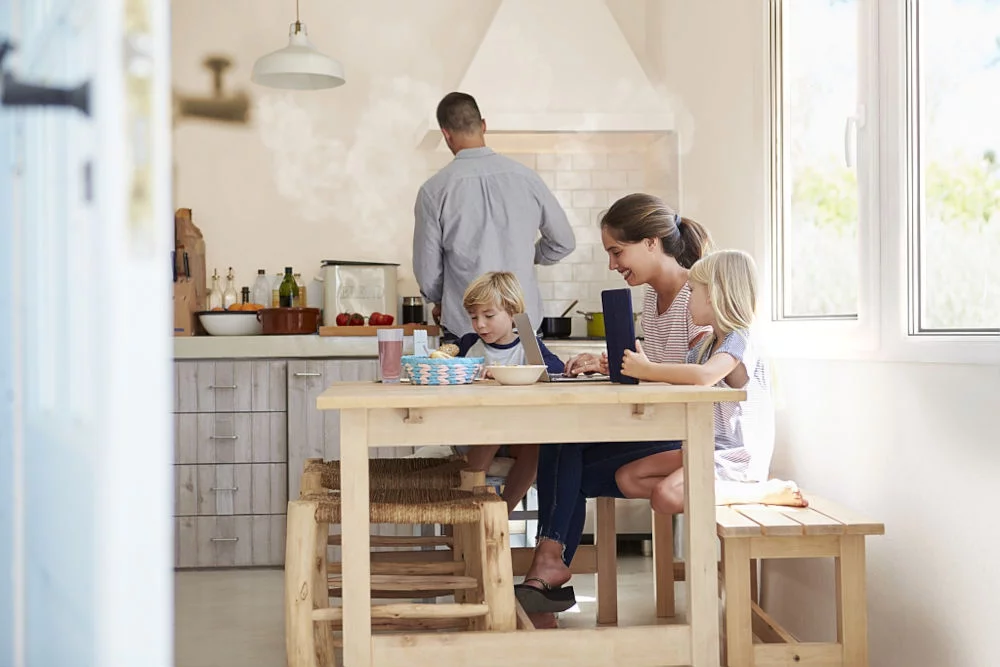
{"x":298,"y":66}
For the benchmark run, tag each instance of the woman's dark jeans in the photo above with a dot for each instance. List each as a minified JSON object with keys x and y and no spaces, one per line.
{"x":569,"y":474}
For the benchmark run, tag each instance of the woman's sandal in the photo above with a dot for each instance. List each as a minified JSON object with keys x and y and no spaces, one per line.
{"x":545,"y":599}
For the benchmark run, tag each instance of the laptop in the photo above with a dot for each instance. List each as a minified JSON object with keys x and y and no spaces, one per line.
{"x":619,"y":330}
{"x":620,"y":311}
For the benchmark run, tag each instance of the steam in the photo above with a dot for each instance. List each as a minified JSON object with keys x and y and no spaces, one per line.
{"x":362,"y":182}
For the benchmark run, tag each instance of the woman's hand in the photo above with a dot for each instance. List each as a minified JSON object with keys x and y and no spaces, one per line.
{"x":636,"y":364}
{"x":586,"y":363}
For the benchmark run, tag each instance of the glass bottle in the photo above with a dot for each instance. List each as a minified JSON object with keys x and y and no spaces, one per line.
{"x":244,"y":295}
{"x":229,"y":297}
{"x":262,"y":289}
{"x":215,"y":296}
{"x":300,"y":300}
{"x":288,"y":292}
{"x":275,"y":285}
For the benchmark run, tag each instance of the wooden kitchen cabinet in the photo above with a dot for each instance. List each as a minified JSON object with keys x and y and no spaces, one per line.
{"x":230,"y":472}
{"x":243,"y":430}
{"x":314,"y":433}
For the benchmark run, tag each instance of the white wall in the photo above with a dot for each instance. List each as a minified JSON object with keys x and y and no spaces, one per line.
{"x":333,"y":174}
{"x":914,"y":445}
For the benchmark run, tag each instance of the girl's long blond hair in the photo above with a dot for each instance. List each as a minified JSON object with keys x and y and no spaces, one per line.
{"x":731,"y":278}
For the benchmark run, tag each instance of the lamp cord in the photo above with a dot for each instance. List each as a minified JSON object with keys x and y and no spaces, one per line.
{"x":298,"y":23}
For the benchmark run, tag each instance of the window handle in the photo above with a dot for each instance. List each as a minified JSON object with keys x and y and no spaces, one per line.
{"x":851,"y":127}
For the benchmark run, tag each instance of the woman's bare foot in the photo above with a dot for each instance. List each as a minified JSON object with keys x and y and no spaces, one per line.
{"x":548,"y":566}
{"x":781,"y":492}
{"x":544,"y":621}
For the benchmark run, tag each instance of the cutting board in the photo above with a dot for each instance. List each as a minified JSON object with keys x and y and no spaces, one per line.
{"x":408,"y":330}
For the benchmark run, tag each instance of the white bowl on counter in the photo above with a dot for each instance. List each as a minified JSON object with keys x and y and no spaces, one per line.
{"x":516,"y":375}
{"x":231,"y":323}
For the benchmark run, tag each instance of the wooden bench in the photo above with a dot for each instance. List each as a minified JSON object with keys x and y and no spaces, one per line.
{"x":822,"y":530}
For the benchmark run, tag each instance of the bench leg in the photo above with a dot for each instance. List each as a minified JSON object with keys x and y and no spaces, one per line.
{"x":663,"y":564}
{"x":852,"y":602}
{"x":607,"y":562}
{"x":738,"y":619}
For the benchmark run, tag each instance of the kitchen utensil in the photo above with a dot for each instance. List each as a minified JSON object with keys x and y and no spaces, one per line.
{"x":557,"y":327}
{"x":390,"y":354}
{"x":595,"y":324}
{"x":516,"y":375}
{"x":569,"y":308}
{"x":230,"y":323}
{"x":358,"y":287}
{"x":289,"y":321}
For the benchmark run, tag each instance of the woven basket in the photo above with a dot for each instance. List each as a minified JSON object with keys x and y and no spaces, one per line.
{"x":429,"y":371}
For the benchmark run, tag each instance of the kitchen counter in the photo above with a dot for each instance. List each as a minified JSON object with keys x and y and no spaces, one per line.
{"x":322,"y":347}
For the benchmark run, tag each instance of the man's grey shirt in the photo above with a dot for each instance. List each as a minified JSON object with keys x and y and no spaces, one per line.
{"x":484,"y":212}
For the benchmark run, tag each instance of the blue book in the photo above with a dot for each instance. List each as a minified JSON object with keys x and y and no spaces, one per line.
{"x":619,"y":331}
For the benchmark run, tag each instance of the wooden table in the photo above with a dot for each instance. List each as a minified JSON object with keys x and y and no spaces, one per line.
{"x":377,"y":415}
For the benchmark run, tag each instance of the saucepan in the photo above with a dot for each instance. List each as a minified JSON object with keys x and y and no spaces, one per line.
{"x":595,"y":323}
{"x":558,"y":327}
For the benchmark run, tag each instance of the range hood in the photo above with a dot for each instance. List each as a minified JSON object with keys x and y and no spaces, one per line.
{"x":558,"y":66}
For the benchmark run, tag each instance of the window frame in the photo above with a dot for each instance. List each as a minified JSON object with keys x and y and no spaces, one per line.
{"x":888,"y":218}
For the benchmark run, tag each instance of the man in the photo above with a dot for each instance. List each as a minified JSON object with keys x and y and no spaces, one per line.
{"x":483,"y":212}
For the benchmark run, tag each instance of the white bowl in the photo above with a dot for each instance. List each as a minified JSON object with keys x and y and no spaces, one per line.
{"x":231,"y":323}
{"x":516,"y":375}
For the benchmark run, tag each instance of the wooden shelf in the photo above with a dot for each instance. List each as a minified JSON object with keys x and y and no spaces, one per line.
{"x":408,"y":330}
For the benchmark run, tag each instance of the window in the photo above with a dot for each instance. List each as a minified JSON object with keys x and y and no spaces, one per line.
{"x":815,"y":60}
{"x":953,"y":62}
{"x":885,"y":167}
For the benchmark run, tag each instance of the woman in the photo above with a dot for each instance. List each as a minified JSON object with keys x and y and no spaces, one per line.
{"x":648,"y":244}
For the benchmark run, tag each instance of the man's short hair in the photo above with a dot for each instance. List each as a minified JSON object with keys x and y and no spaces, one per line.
{"x":458,"y":112}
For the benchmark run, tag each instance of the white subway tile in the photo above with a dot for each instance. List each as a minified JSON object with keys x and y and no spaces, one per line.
{"x":609,"y":179}
{"x":589,"y":161}
{"x":564,"y":197}
{"x":578,"y":217}
{"x":582,"y":254}
{"x":625,"y":161}
{"x":589,"y":198}
{"x":570,"y":290}
{"x":614,"y":195}
{"x":555,"y":273}
{"x":527,"y":159}
{"x":573,"y":180}
{"x":590,"y":272}
{"x":635,"y":178}
{"x":549,"y":178}
{"x":547,"y":289}
{"x":591,"y":235}
{"x":553,"y":162}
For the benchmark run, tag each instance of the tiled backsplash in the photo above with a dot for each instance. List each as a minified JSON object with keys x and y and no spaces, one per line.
{"x":587,"y":181}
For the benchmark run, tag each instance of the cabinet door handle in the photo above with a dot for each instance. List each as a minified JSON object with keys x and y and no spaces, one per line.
{"x":308,"y":375}
{"x":225,"y":539}
{"x":224,"y":437}
{"x":222,"y":386}
{"x":224,"y":488}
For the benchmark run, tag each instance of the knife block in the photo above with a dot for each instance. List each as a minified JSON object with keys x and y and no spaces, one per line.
{"x":189,"y":290}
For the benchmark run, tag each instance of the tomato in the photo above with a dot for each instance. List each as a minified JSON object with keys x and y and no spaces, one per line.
{"x":343,"y":319}
{"x":356,"y":320}
{"x":387,"y":319}
{"x":375,"y":319}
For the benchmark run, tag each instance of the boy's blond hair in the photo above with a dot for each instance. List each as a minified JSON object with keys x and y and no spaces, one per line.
{"x":497,"y":287}
{"x":731,"y":278}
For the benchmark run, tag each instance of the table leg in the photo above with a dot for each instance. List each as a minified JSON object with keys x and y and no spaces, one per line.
{"x":702,"y":578}
{"x":355,"y":546}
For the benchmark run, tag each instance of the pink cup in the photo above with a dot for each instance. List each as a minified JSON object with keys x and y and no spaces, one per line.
{"x":390,"y":354}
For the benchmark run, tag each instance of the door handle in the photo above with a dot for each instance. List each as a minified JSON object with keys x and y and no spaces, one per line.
{"x":20,"y":94}
{"x":307,"y":375}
